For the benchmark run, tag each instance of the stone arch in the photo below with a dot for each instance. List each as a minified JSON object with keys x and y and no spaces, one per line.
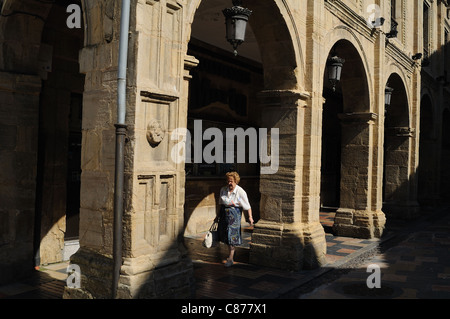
{"x":19,"y":47}
{"x":394,"y":69}
{"x":396,"y":166}
{"x":41,"y":55}
{"x":343,"y":35}
{"x":427,"y":151}
{"x":399,"y":110}
{"x":428,"y":98}
{"x":354,"y":118}
{"x":278,"y":100}
{"x":27,"y":19}
{"x":445,"y":156}
{"x":277,"y":36}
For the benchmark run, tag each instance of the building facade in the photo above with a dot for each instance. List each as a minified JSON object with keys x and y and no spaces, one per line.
{"x":339,"y":146}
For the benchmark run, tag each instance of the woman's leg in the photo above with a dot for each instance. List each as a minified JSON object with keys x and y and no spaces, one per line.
{"x":230,"y":258}
{"x":231,"y":249}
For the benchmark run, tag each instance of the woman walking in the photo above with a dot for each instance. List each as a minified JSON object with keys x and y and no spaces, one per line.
{"x":233,"y":199}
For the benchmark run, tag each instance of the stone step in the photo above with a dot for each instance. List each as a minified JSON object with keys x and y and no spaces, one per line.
{"x":219,"y":252}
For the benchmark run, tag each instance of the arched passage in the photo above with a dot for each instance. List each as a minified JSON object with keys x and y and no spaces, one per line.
{"x":426,"y":171}
{"x":222,"y":95}
{"x":270,"y":38}
{"x":445,"y":157}
{"x":347,"y":133}
{"x":59,"y":141}
{"x":42,"y":88}
{"x":397,"y":134}
{"x":270,"y":100}
{"x":350,"y":97}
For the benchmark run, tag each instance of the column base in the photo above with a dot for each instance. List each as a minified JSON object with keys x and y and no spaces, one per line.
{"x":401,"y":210}
{"x":95,"y":276}
{"x":152,"y":277}
{"x":359,"y":224}
{"x":288,"y":246}
{"x":164,"y":276}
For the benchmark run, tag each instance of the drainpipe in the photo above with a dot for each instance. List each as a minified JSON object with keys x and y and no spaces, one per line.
{"x":121,"y":128}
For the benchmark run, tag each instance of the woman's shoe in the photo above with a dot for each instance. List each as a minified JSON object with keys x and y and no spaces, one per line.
{"x":229,"y":263}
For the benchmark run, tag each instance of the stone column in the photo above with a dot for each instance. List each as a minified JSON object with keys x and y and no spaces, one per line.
{"x":397,"y":172}
{"x":428,"y":195}
{"x":154,"y":261}
{"x":354,"y":218}
{"x":19,"y":122}
{"x":283,"y":237}
{"x":94,"y":257}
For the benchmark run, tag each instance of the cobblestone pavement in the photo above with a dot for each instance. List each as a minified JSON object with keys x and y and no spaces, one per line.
{"x":46,"y":283}
{"x":413,"y":259}
{"x":415,"y":266}
{"x":246,"y":281}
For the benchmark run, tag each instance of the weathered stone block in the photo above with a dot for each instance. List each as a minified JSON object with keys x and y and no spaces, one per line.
{"x":96,"y":190}
{"x":8,"y":137}
{"x":91,"y":224}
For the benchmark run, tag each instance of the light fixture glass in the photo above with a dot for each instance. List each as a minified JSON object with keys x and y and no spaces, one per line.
{"x":388,"y":95}
{"x":334,"y":65}
{"x":236,"y":19}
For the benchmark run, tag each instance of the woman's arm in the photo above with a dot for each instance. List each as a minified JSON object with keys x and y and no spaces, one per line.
{"x":250,"y":216}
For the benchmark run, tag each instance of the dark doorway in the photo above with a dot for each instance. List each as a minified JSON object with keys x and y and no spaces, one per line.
{"x":59,"y":142}
{"x":74,"y":168}
{"x":445,"y":158}
{"x":426,"y":155}
{"x":331,"y":151}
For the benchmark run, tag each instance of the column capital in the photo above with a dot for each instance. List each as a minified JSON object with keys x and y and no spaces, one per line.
{"x":401,"y":131}
{"x":276,"y":98}
{"x":190,"y":62}
{"x":358,"y":117}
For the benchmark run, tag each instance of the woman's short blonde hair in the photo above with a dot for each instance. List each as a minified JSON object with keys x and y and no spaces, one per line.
{"x":235,"y":175}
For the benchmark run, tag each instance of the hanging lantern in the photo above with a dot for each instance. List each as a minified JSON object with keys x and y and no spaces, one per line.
{"x":388,"y":95}
{"x":335,"y":65}
{"x":236,"y":19}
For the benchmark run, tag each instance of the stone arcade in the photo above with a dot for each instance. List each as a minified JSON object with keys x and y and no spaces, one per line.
{"x":340,"y":149}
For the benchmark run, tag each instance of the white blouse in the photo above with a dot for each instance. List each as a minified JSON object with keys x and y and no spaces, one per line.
{"x":238,"y":197}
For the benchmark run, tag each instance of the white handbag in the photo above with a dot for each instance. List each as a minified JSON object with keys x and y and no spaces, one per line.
{"x":211,"y":236}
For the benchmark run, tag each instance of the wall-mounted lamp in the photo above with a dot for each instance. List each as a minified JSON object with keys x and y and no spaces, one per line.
{"x":334,"y":64}
{"x":393,"y":33}
{"x":236,"y":19}
{"x":388,"y":95}
{"x":378,"y":22}
{"x":417,"y":56}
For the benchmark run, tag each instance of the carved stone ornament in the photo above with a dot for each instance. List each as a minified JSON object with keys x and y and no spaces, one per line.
{"x":155,"y":132}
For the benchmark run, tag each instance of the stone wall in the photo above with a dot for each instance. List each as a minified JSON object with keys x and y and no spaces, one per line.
{"x":18,"y":154}
{"x":295,"y":38}
{"x":154,"y":261}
